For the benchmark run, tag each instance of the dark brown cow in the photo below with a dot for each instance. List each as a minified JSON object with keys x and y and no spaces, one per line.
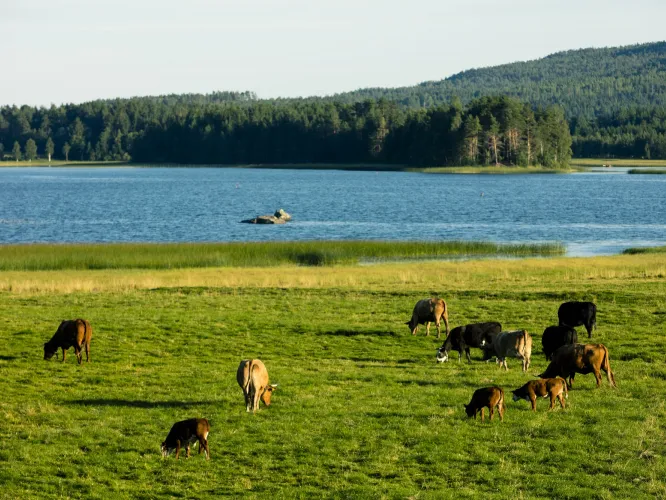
{"x":580,"y":358}
{"x":184,"y":433}
{"x":77,"y":333}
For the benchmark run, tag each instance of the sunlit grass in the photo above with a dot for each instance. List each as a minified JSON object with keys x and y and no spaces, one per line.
{"x":616,"y":162}
{"x":644,"y":250}
{"x":362,"y":409}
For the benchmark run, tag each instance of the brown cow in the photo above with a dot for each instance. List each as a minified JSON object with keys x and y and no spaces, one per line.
{"x":426,"y":311}
{"x":77,"y":333}
{"x":489,"y":397}
{"x":185,"y":433}
{"x":580,"y":358}
{"x":553,"y":387}
{"x":513,"y":344}
{"x":253,"y":379}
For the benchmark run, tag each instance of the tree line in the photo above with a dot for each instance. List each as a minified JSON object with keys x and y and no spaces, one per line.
{"x":237,"y":129}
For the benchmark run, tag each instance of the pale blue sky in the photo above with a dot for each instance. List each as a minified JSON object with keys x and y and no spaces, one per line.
{"x":57,"y":51}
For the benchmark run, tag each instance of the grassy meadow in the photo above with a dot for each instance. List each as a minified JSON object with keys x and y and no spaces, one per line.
{"x":616,"y":162}
{"x":362,"y":409}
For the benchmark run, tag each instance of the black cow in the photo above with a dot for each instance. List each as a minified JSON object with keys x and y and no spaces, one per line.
{"x":555,"y":337}
{"x":462,"y":338}
{"x":577,"y":314}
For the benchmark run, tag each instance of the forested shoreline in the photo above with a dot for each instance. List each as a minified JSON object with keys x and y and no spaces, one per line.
{"x":614,"y":100}
{"x":488,"y":131}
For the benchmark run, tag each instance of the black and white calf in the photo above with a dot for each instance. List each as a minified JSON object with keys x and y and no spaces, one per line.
{"x":462,"y":338}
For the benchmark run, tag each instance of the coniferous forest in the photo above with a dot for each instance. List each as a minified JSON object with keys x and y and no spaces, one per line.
{"x":592,"y":102}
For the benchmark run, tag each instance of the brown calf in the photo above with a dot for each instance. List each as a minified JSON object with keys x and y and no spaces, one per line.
{"x":489,"y":397}
{"x":77,"y":333}
{"x":553,"y":387}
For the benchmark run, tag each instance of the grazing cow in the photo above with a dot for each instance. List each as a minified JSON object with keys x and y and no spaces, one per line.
{"x":77,"y":333}
{"x":513,"y":344}
{"x":544,"y":387}
{"x":426,"y":311}
{"x":555,"y":337}
{"x":462,"y":338}
{"x":489,"y":397}
{"x":580,"y":358}
{"x":577,"y":314}
{"x":185,"y":433}
{"x":253,"y":379}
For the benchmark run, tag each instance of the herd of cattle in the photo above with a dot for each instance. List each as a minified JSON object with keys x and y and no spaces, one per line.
{"x":560,"y":346}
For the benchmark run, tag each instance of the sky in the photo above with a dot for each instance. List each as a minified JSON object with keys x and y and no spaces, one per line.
{"x":73,"y":51}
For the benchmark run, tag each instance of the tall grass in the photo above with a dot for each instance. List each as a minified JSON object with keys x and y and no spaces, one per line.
{"x":617,"y":162}
{"x":41,"y":257}
{"x":645,"y":171}
{"x":638,"y":250}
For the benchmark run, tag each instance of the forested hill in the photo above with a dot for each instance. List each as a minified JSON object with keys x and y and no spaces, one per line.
{"x":586,"y":82}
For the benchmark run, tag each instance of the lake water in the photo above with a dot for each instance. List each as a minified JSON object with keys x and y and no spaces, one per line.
{"x":592,"y":213}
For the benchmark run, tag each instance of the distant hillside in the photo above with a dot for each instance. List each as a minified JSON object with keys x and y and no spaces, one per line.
{"x":586,"y":82}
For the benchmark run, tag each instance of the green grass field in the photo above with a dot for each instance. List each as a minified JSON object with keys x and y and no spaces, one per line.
{"x":362,"y":409}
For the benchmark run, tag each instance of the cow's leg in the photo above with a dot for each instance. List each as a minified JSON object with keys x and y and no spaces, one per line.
{"x":597,"y":375}
{"x":64,"y":353}
{"x":445,"y":317}
{"x":533,"y":401}
{"x":187,"y":449}
{"x":553,"y":397}
{"x":78,"y":353}
{"x":467,"y":353}
{"x":483,"y":416}
{"x":506,"y":367}
{"x":500,"y":408}
{"x":571,"y":379}
{"x":492,"y":412}
{"x":588,"y":327}
{"x":87,"y":352}
{"x":561,"y":398}
{"x":427,"y":328}
{"x":177,"y":449}
{"x":257,"y":396}
{"x":439,"y":330}
{"x":204,"y":443}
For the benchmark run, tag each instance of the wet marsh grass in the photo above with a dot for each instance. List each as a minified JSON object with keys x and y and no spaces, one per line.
{"x":362,"y":409}
{"x":36,"y":257}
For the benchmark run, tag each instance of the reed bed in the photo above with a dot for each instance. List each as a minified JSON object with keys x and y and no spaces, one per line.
{"x":643,"y":250}
{"x":42,"y":257}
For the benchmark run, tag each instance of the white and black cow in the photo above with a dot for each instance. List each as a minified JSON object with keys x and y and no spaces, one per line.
{"x":462,"y":338}
{"x":577,"y":314}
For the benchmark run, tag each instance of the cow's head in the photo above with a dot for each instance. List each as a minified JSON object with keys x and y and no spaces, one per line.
{"x":442,"y":355}
{"x":49,"y":351}
{"x":412,"y":326}
{"x":469,"y":409}
{"x":266,"y":396}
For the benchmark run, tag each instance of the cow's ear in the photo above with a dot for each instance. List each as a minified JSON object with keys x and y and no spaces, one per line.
{"x":406,"y":322}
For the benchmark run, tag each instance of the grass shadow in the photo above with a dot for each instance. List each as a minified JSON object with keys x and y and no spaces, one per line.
{"x":137,"y":403}
{"x":356,"y":333}
{"x":8,"y":358}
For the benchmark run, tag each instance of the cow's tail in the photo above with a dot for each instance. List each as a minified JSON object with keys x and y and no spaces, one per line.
{"x":605,"y":365}
{"x":249,"y":375}
{"x":500,"y":403}
{"x":566,"y":391}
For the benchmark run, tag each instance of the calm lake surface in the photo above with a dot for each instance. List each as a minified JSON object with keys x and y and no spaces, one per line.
{"x":592,"y":213}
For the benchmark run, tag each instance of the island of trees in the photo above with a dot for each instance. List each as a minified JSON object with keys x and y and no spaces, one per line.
{"x":487,"y":131}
